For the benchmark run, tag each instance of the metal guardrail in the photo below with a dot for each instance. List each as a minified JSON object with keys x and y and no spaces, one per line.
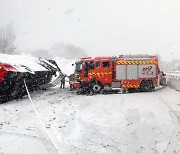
{"x":173,"y":76}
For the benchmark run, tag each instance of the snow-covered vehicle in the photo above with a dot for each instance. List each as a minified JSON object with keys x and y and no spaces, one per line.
{"x":15,"y":70}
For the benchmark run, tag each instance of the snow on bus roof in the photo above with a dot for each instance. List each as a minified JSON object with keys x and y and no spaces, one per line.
{"x":19,"y":60}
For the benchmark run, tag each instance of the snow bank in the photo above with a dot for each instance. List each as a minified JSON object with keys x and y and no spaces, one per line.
{"x":65,"y":65}
{"x":174,"y":83}
{"x":174,"y":80}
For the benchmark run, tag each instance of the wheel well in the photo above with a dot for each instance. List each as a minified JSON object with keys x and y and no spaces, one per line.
{"x":96,"y":81}
{"x":150,"y":81}
{"x":146,"y":85}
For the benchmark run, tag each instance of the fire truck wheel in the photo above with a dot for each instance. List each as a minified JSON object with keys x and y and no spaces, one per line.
{"x":146,"y":86}
{"x":96,"y":87}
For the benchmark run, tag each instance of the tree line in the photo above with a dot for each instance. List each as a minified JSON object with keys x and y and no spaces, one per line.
{"x":64,"y":50}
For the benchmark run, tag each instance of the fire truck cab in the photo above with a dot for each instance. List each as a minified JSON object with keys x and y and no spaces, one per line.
{"x":131,"y":72}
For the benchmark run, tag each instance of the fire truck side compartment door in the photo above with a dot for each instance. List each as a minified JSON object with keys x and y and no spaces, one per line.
{"x":147,"y":71}
{"x":120,"y":72}
{"x":132,"y":72}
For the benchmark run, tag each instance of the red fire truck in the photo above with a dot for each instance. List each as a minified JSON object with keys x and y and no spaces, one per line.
{"x":128,"y":72}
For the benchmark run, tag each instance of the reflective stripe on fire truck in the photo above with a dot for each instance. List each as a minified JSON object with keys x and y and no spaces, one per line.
{"x":130,"y":86}
{"x":135,"y":62}
{"x":100,"y":73}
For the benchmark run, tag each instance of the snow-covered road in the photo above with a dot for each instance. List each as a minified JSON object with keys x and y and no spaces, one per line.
{"x":116,"y":123}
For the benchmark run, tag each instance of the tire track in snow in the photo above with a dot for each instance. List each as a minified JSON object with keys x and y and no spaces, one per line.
{"x":22,"y":135}
{"x":173,"y":146}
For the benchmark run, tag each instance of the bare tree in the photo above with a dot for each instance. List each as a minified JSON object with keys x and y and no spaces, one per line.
{"x":7,"y":38}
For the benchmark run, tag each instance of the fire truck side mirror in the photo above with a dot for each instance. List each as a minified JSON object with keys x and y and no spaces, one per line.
{"x":162,"y":73}
{"x":86,"y":73}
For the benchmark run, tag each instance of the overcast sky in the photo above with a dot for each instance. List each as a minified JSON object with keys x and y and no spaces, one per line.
{"x":101,"y":27}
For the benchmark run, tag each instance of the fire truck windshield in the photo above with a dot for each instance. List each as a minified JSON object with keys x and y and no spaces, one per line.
{"x":78,"y":66}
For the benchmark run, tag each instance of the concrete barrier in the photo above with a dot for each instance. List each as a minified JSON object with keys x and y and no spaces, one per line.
{"x":174,"y":80}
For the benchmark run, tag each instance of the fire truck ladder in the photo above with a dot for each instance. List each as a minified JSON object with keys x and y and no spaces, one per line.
{"x":54,"y":68}
{"x":140,"y":57}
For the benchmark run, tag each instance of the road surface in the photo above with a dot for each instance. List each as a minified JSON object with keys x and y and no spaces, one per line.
{"x":116,"y":123}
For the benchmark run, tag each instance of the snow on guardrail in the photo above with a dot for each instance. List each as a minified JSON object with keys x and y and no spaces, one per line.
{"x":174,"y":80}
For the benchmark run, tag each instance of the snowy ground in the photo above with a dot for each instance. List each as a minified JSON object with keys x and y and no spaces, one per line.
{"x":117,"y":123}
